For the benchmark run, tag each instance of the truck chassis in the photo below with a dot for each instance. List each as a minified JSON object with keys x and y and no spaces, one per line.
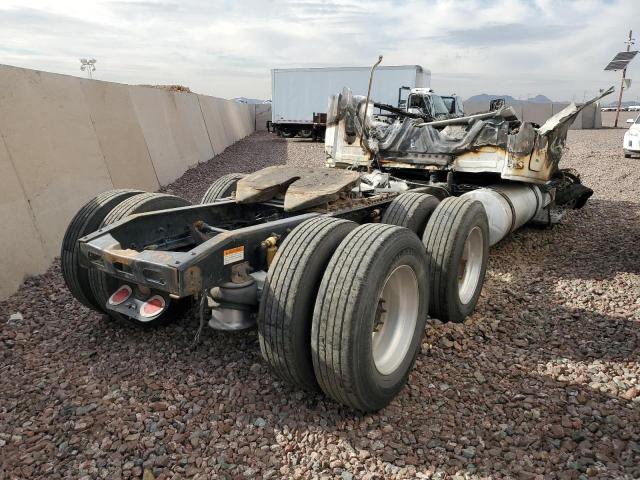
{"x":338,"y":267}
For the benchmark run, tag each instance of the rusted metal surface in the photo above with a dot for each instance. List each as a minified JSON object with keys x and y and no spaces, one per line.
{"x":128,"y":256}
{"x":347,"y":202}
{"x":193,"y":280}
{"x":121,"y":249}
{"x":301,"y":187}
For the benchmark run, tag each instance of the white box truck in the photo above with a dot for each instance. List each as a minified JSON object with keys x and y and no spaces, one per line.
{"x":300,"y":96}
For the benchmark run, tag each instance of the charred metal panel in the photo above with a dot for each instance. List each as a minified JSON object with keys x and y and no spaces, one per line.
{"x":491,"y":142}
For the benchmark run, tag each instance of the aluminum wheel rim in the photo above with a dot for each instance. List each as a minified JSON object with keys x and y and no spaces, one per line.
{"x":470,"y":265}
{"x":395,"y":321}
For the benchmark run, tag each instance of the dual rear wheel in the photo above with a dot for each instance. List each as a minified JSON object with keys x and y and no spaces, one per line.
{"x":455,"y":234}
{"x":87,"y":220}
{"x":92,"y":287}
{"x":344,"y":306}
{"x":104,"y":285}
{"x":456,"y":240}
{"x":343,"y":309}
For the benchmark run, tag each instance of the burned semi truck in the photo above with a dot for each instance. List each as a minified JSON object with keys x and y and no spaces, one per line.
{"x":338,"y":267}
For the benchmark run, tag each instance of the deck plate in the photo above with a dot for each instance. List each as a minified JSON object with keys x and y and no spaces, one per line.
{"x":302,"y":187}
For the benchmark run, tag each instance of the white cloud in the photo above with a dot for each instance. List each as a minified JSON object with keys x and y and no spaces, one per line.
{"x":226,"y":48}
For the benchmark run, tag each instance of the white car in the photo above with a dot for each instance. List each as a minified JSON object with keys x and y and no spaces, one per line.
{"x":631,"y":142}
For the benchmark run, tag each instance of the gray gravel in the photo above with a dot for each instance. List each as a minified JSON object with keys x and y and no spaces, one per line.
{"x":543,"y":381}
{"x":253,"y":153}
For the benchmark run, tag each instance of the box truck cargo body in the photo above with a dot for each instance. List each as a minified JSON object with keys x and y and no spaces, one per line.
{"x":300,"y":96}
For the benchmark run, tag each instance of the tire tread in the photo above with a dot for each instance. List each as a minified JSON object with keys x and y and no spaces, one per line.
{"x":335,"y":317}
{"x":219,"y":188}
{"x":286,"y":275}
{"x":86,"y":221}
{"x":440,"y":240}
{"x":411,"y":210}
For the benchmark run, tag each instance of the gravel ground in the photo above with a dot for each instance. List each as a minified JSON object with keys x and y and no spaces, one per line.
{"x":543,"y":381}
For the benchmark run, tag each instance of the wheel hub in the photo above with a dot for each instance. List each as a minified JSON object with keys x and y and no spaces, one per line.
{"x":470,"y":265}
{"x":395,"y":319}
{"x":380,"y":316}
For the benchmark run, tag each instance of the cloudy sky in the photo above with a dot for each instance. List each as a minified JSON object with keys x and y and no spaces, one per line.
{"x":226,"y":48}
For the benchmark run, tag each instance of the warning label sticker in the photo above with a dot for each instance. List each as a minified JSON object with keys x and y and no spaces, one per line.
{"x":233,"y":255}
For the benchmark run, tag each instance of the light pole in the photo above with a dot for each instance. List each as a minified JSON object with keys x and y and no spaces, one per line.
{"x":629,"y":42}
{"x":88,"y":65}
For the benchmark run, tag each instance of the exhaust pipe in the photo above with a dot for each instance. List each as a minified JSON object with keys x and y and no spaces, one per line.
{"x":509,"y":206}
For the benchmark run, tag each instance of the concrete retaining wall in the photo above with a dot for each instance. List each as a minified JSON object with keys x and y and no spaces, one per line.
{"x":64,"y":139}
{"x":609,"y":118}
{"x":262,"y":114}
{"x":120,"y":135}
{"x":539,"y":112}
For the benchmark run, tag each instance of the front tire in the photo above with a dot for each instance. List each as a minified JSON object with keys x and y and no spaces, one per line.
{"x":457,"y":244}
{"x":370,"y":316}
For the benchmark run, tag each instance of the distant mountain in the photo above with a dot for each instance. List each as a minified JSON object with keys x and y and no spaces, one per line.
{"x":249,"y":100}
{"x":539,"y":99}
{"x":483,"y":97}
{"x":486,"y":98}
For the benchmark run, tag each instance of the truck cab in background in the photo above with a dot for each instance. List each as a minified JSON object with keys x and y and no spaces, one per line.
{"x":300,"y":96}
{"x":426,"y":103}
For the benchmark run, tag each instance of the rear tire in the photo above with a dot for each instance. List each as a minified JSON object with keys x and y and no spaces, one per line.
{"x":410,"y":210}
{"x":370,"y":316}
{"x":223,"y":187}
{"x":457,"y":244}
{"x":289,"y":296}
{"x":86,"y":221}
{"x":627,"y":155}
{"x":286,"y":133}
{"x":103,"y":285}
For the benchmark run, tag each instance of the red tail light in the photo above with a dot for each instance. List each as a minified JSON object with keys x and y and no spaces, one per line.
{"x":121,"y":295}
{"x":153,"y":307}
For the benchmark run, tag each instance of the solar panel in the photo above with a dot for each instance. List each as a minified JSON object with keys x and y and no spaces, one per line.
{"x":621,"y":60}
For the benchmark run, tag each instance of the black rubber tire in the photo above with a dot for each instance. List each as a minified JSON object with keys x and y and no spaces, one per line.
{"x":223,"y":187}
{"x":627,"y":155}
{"x":286,"y":133}
{"x":289,"y":296}
{"x":444,"y":240}
{"x":86,"y":221}
{"x":305,"y":133}
{"x":103,"y":285}
{"x":410,"y":210}
{"x":343,"y":320}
